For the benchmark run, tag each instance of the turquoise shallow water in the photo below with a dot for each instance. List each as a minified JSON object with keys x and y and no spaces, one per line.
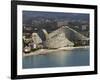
{"x":75,"y":57}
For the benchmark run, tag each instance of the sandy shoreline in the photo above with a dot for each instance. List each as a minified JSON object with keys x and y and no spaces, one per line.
{"x":46,"y":51}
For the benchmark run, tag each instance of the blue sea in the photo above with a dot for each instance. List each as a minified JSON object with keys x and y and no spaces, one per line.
{"x":75,"y":57}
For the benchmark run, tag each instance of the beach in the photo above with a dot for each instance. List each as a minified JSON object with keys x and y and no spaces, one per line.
{"x":46,"y":51}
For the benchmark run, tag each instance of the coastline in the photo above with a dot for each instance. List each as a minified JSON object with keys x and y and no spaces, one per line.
{"x":46,"y":51}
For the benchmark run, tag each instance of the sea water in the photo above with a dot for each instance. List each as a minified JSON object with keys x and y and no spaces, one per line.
{"x":75,"y":57}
